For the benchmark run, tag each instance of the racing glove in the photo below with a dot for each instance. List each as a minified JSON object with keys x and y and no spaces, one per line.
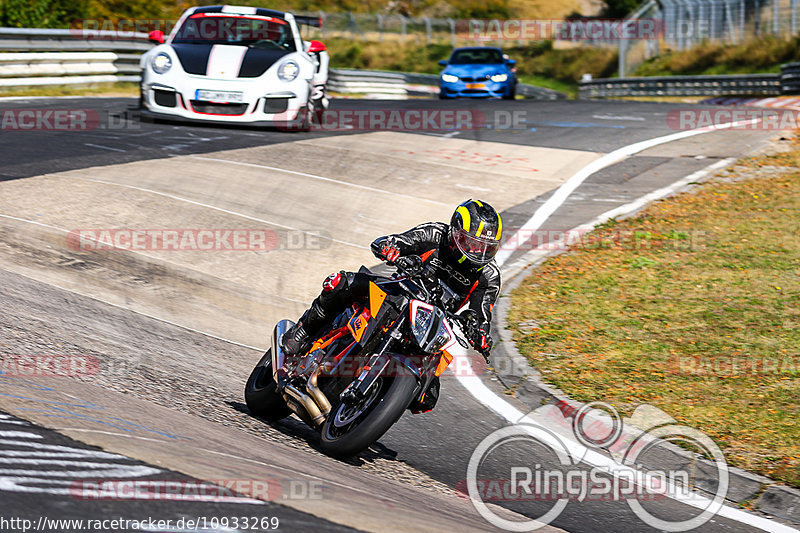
{"x":389,"y":252}
{"x":482,"y":340}
{"x":411,"y":265}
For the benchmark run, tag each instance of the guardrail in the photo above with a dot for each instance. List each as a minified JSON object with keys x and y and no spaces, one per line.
{"x":381,"y":83}
{"x":55,"y":57}
{"x":790,"y":78}
{"x":733,"y":84}
{"x":347,"y":81}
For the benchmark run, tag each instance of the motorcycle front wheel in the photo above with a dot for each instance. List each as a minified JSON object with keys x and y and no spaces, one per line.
{"x":261,"y":392}
{"x":350,"y":429}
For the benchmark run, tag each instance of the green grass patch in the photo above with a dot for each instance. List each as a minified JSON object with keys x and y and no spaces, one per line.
{"x":693,"y":307}
{"x":539,"y":64}
{"x":122,"y":89}
{"x":568,"y":88}
{"x":760,"y":55}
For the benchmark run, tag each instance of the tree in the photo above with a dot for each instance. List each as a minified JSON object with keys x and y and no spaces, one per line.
{"x":619,"y":8}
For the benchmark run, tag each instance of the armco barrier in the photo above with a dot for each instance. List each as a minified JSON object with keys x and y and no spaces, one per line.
{"x":734,"y":85}
{"x":348,"y":81}
{"x":379,"y":82}
{"x":790,"y":78}
{"x":55,"y":57}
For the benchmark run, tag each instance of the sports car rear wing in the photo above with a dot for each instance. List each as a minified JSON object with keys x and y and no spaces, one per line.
{"x":309,"y":21}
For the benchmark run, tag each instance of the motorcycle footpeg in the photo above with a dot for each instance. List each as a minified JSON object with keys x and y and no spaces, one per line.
{"x":282,"y":378}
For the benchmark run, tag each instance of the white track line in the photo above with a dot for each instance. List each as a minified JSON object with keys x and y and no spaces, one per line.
{"x":563,"y":192}
{"x":229,"y":212}
{"x":142,"y":313}
{"x":504,"y":409}
{"x":62,"y":230}
{"x":509,"y":271}
{"x":475,"y":385}
{"x":104,"y":147}
{"x":321,"y":178}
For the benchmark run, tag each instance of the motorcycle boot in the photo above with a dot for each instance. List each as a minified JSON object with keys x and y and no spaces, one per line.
{"x":297,"y":339}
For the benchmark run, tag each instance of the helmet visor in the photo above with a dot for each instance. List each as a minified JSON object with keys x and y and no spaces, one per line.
{"x":477,"y":249}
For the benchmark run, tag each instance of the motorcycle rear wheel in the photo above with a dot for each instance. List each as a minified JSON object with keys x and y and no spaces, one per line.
{"x":261,"y":392}
{"x":348,"y":430}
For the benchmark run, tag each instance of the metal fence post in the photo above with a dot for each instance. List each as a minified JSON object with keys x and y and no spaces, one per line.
{"x":427,"y":30}
{"x":380,"y":28}
{"x":775,"y":28}
{"x":623,"y":53}
{"x":403,"y":23}
{"x":701,"y":21}
{"x":757,"y":23}
{"x":452,"y":24}
{"x":741,"y":21}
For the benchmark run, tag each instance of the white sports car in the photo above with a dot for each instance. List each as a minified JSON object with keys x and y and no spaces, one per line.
{"x":235,"y":64}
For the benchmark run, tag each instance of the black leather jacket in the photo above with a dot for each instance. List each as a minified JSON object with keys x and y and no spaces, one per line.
{"x":479,"y":286}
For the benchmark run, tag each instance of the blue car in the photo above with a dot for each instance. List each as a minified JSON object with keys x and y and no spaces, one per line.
{"x":478,"y":72}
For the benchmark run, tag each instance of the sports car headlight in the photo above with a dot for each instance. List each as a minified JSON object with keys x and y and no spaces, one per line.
{"x":161,"y":63}
{"x":449,"y":78}
{"x":288,"y":71}
{"x":499,"y":77}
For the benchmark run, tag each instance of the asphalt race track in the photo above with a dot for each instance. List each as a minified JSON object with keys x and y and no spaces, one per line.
{"x":172,"y":335}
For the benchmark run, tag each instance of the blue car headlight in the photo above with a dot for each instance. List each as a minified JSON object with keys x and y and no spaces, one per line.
{"x":499,"y":78}
{"x":449,"y":78}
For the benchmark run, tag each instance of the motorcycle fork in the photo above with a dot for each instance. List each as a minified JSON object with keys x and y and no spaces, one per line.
{"x":377,"y":363}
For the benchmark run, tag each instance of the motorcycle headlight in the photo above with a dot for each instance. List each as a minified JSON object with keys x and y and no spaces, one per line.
{"x":161,"y":63}
{"x":499,"y":78}
{"x":442,"y":337}
{"x":288,"y":70}
{"x":424,"y":318}
{"x":421,"y":320}
{"x":449,"y":78}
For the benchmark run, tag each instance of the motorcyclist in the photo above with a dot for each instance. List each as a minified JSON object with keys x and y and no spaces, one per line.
{"x":460,"y":253}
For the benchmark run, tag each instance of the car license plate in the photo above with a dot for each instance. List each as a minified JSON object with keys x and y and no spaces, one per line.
{"x":476,"y":86}
{"x":219,"y":96}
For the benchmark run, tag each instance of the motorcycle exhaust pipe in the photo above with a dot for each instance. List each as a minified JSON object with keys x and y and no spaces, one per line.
{"x":278,"y":357}
{"x":316,"y":393}
{"x":308,"y":404}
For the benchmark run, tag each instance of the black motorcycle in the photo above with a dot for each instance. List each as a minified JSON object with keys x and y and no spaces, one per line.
{"x":367,"y":366}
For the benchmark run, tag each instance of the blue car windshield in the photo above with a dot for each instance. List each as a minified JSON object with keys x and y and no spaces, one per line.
{"x":476,"y":56}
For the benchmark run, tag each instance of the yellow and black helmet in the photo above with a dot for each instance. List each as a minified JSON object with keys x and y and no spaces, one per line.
{"x":475,"y":232}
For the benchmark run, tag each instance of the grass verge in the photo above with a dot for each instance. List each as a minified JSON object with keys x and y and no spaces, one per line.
{"x":759,"y":55}
{"x":538,"y":64}
{"x":693,"y":307}
{"x":123,"y":89}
